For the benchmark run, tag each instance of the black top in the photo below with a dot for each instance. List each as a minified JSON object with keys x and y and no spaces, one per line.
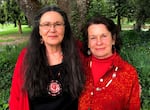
{"x":60,"y":100}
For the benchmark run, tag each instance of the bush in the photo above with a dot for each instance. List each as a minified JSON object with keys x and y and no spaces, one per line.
{"x":136,"y":50}
{"x":8,"y":57}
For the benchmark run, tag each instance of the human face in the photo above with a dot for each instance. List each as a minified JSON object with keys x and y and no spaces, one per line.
{"x":52,"y":28}
{"x":100,"y":41}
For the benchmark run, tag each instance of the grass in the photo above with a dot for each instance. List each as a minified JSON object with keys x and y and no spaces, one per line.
{"x":9,"y":29}
{"x":7,"y":40}
{"x":10,"y":35}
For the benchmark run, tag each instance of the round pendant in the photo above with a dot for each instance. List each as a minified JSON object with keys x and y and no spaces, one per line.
{"x":54,"y":88}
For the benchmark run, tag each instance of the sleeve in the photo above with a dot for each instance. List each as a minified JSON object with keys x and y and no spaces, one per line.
{"x":134,"y":103}
{"x":16,"y":84}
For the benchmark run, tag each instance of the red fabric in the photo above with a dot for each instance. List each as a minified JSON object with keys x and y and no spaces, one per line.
{"x":18,"y":98}
{"x":121,"y":94}
{"x":100,"y":67}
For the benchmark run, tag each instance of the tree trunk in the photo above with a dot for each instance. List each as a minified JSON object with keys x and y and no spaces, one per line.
{"x":29,"y":7}
{"x":118,"y":22}
{"x":119,"y":16}
{"x":137,"y":26}
{"x":19,"y":27}
{"x":82,"y":6}
{"x":76,"y":11}
{"x":66,"y":5}
{"x":15,"y":23}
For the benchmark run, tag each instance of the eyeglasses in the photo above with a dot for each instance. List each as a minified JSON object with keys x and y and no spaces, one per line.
{"x":54,"y":25}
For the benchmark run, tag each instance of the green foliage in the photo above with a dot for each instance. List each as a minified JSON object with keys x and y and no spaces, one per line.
{"x":8,"y":57}
{"x":3,"y":105}
{"x":75,"y":19}
{"x":10,"y":12}
{"x":136,"y":50}
{"x":133,"y":10}
{"x":97,"y":7}
{"x":2,"y":15}
{"x":48,"y":2}
{"x":142,"y":10}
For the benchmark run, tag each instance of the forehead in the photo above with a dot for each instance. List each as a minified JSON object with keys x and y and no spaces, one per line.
{"x":51,"y":16}
{"x":97,"y":28}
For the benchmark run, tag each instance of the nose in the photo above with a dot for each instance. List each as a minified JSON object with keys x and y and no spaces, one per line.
{"x":99,"y":40}
{"x":52,"y":28}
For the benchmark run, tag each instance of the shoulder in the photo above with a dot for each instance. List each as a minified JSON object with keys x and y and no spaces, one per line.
{"x":21,"y":57}
{"x":127,"y":73}
{"x":19,"y":66}
{"x":22,"y":53}
{"x":123,"y":63}
{"x":126,"y":67}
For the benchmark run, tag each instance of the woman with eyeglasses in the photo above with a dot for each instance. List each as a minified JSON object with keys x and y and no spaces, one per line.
{"x":48,"y":74}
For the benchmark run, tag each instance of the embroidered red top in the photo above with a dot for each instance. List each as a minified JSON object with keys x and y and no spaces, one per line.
{"x":117,"y":89}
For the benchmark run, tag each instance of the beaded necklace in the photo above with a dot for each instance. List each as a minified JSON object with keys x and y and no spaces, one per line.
{"x":54,"y":87}
{"x":101,"y":80}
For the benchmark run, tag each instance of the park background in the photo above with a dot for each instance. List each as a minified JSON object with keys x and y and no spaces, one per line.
{"x":131,"y":16}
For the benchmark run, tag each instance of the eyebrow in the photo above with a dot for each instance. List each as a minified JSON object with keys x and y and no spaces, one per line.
{"x":52,"y":22}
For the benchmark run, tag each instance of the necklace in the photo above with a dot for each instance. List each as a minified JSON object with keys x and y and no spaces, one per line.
{"x":55,"y":58}
{"x":101,"y":80}
{"x":54,"y":87}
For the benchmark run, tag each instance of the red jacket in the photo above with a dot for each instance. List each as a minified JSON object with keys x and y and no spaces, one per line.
{"x":18,"y":98}
{"x":121,"y":94}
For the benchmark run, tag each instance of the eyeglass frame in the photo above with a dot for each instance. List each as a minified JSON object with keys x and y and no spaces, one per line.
{"x":54,"y":25}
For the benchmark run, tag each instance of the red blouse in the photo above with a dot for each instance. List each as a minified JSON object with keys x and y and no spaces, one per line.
{"x":18,"y":98}
{"x":118,"y":89}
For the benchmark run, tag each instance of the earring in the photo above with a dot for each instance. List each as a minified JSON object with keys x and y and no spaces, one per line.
{"x":41,"y":41}
{"x":113,"y":48}
{"x":89,"y":52}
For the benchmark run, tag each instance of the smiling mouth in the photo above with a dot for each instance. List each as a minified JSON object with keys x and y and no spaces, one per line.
{"x":52,"y":36}
{"x":100,"y":48}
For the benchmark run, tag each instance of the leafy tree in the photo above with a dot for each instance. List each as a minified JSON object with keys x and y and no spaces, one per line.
{"x":142,"y":12}
{"x":119,"y":9}
{"x":11,"y":13}
{"x":2,"y":15}
{"x":14,"y":14}
{"x":76,"y":11}
{"x":29,"y":7}
{"x":97,"y":7}
{"x":115,"y":9}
